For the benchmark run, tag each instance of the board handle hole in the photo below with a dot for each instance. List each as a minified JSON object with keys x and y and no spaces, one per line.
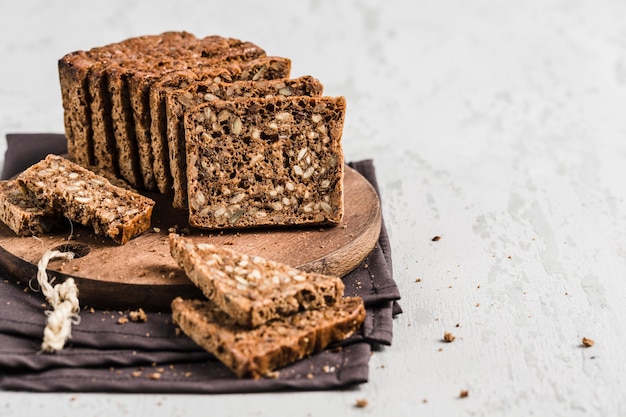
{"x":79,"y":249}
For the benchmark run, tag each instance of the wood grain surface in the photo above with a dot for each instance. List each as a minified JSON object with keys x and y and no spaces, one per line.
{"x":143,"y":274}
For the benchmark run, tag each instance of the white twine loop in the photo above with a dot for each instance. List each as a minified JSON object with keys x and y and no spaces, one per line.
{"x":63,"y":298}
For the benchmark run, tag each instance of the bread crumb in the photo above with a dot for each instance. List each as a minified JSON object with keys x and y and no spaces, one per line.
{"x":136,"y":374}
{"x":448,"y":337}
{"x":273,"y":374}
{"x":586,"y":342}
{"x":418,"y":280}
{"x":122,"y":320}
{"x":464,"y":393}
{"x":154,"y":376}
{"x":138,"y":315}
{"x":436,"y":238}
{"x":361,"y":403}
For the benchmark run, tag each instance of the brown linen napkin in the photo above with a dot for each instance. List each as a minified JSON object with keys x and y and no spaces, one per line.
{"x":104,"y":356}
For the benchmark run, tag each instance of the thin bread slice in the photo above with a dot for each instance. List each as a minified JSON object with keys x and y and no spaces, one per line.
{"x":169,"y":158}
{"x":181,"y":100}
{"x":210,"y":52}
{"x":257,"y":352}
{"x":87,"y":198}
{"x":250,"y":289}
{"x":265,"y":162}
{"x":22,"y":214}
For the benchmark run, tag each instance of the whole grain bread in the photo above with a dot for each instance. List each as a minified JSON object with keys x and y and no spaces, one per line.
{"x":210,"y":52}
{"x":99,"y":97}
{"x":74,"y":70}
{"x":169,"y":159}
{"x":257,"y":352}
{"x":250,"y":289}
{"x":256,"y":161}
{"x":86,"y":198}
{"x":181,"y":100}
{"x":22,"y":214}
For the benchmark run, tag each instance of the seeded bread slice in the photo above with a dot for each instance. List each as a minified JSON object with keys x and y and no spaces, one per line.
{"x":257,"y":352}
{"x":169,"y":159}
{"x":86,"y":198}
{"x":250,"y":289}
{"x":256,"y":162}
{"x":179,"y":101}
{"x":22,"y":214}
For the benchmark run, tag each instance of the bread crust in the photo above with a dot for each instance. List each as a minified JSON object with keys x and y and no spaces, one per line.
{"x":257,"y":352}
{"x":250,"y":289}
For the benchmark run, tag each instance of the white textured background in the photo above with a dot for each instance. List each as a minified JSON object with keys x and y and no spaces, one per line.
{"x":499,"y":125}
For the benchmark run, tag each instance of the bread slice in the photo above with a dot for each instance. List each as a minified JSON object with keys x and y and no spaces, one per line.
{"x":86,"y":198}
{"x":22,"y":214}
{"x":256,"y":162}
{"x":169,"y":159}
{"x":181,"y":100}
{"x":257,"y":352}
{"x":250,"y":289}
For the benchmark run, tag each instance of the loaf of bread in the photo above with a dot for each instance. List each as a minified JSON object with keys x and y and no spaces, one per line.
{"x":257,"y":352}
{"x":86,"y":198}
{"x":74,"y":71}
{"x":251,"y":289}
{"x":258,"y":161}
{"x":105,"y":94}
{"x":217,"y":52}
{"x":167,"y":159}
{"x":180,"y":100}
{"x":22,"y":214}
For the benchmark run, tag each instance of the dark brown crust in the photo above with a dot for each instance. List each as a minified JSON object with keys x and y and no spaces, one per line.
{"x":254,"y":353}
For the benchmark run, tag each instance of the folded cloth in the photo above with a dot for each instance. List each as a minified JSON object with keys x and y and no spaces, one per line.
{"x":106,"y":356}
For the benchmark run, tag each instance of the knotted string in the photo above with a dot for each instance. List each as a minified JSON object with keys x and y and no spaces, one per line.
{"x":63,"y":298}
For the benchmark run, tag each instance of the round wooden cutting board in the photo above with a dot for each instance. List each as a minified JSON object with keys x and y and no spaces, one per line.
{"x":143,"y":274}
